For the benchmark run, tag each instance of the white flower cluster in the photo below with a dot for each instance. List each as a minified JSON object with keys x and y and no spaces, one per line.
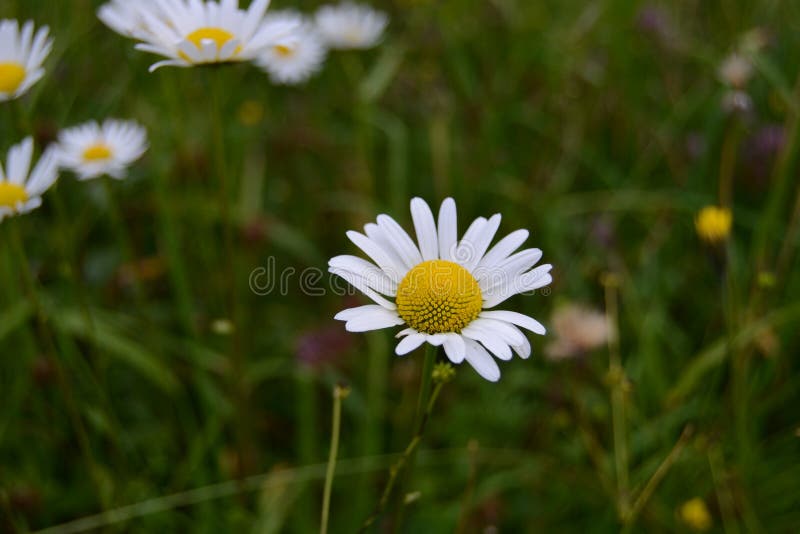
{"x":286,"y":44}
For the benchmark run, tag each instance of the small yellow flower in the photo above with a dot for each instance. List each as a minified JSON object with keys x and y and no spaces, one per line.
{"x":695,"y":514}
{"x":713,"y":224}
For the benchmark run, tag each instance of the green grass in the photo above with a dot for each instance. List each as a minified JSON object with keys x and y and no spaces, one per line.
{"x":118,"y":396}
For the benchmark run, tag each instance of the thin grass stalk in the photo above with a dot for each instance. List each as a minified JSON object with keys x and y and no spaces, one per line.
{"x":178,"y":274}
{"x":339,"y":393}
{"x":618,"y":381}
{"x":237,"y":355}
{"x":655,"y":480}
{"x":50,"y":345}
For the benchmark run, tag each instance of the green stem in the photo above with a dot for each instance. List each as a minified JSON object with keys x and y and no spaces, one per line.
{"x":779,"y":191}
{"x":618,"y":385}
{"x":655,"y":480}
{"x":372,"y":435}
{"x":305,"y":403}
{"x":237,"y":356}
{"x":425,"y":383}
{"x":179,"y":279}
{"x":45,"y":333}
{"x":339,"y":393}
{"x":405,"y":462}
{"x":125,"y":241}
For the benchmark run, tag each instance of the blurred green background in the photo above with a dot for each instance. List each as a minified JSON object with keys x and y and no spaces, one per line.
{"x":149,"y":374}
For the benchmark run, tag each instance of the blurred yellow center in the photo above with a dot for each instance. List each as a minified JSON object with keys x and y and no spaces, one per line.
{"x":713,"y":224}
{"x":11,"y":195}
{"x":11,"y":76}
{"x":218,"y":35}
{"x":97,"y":152}
{"x":438,"y":296}
{"x":283,"y":50}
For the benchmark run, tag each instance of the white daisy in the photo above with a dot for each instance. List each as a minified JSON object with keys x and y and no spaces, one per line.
{"x":91,"y":150}
{"x":443,"y":290}
{"x":299,"y":55}
{"x":21,"y":56}
{"x":126,"y":17}
{"x":193,"y":32}
{"x":349,"y":25}
{"x":20,"y":192}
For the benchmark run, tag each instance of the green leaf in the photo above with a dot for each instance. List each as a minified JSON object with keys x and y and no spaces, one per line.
{"x":715,"y":355}
{"x":105,"y":336}
{"x":14,"y":318}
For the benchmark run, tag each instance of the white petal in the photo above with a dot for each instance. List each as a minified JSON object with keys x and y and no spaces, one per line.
{"x":505,"y":331}
{"x":448,"y":229}
{"x":407,"y":344}
{"x":369,"y":317}
{"x":482,"y":241}
{"x":508,"y":271}
{"x":19,"y":161}
{"x":425,"y":227}
{"x":455,"y":348}
{"x":523,"y":349}
{"x":530,"y":281}
{"x":465,"y":252}
{"x":529,"y":323}
{"x":359,"y":284}
{"x":503,"y":249}
{"x":405,"y":332}
{"x":481,"y":361}
{"x":401,"y":241}
{"x":489,"y":340}
{"x":369,"y":272}
{"x":392,"y":268}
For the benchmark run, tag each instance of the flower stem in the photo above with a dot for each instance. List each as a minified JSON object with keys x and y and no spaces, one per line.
{"x":427,"y":401}
{"x":339,"y":393}
{"x":425,"y":384}
{"x":618,"y":380}
{"x":237,"y":356}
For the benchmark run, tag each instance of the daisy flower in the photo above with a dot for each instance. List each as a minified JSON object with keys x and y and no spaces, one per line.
{"x":126,"y":17}
{"x":21,"y":56}
{"x":91,"y":150}
{"x":443,"y":289}
{"x":350,"y":26}
{"x":194,"y":32}
{"x":20,"y":191}
{"x":299,"y":55}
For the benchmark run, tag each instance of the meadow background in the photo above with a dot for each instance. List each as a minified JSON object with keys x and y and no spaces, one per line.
{"x":601,"y":126}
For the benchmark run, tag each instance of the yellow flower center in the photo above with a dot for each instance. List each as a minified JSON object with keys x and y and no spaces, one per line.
{"x":98,"y":152}
{"x":284,"y":51}
{"x":713,"y":224}
{"x":438,"y":296}
{"x":11,"y":195}
{"x":11,"y":76}
{"x":218,"y":35}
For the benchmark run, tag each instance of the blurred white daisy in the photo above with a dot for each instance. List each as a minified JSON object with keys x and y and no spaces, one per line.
{"x":20,"y":192}
{"x":349,"y":25}
{"x":126,"y":17}
{"x":299,"y":55}
{"x":193,"y":32}
{"x":579,"y":329}
{"x":91,"y":150}
{"x":443,"y":289}
{"x":21,"y":56}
